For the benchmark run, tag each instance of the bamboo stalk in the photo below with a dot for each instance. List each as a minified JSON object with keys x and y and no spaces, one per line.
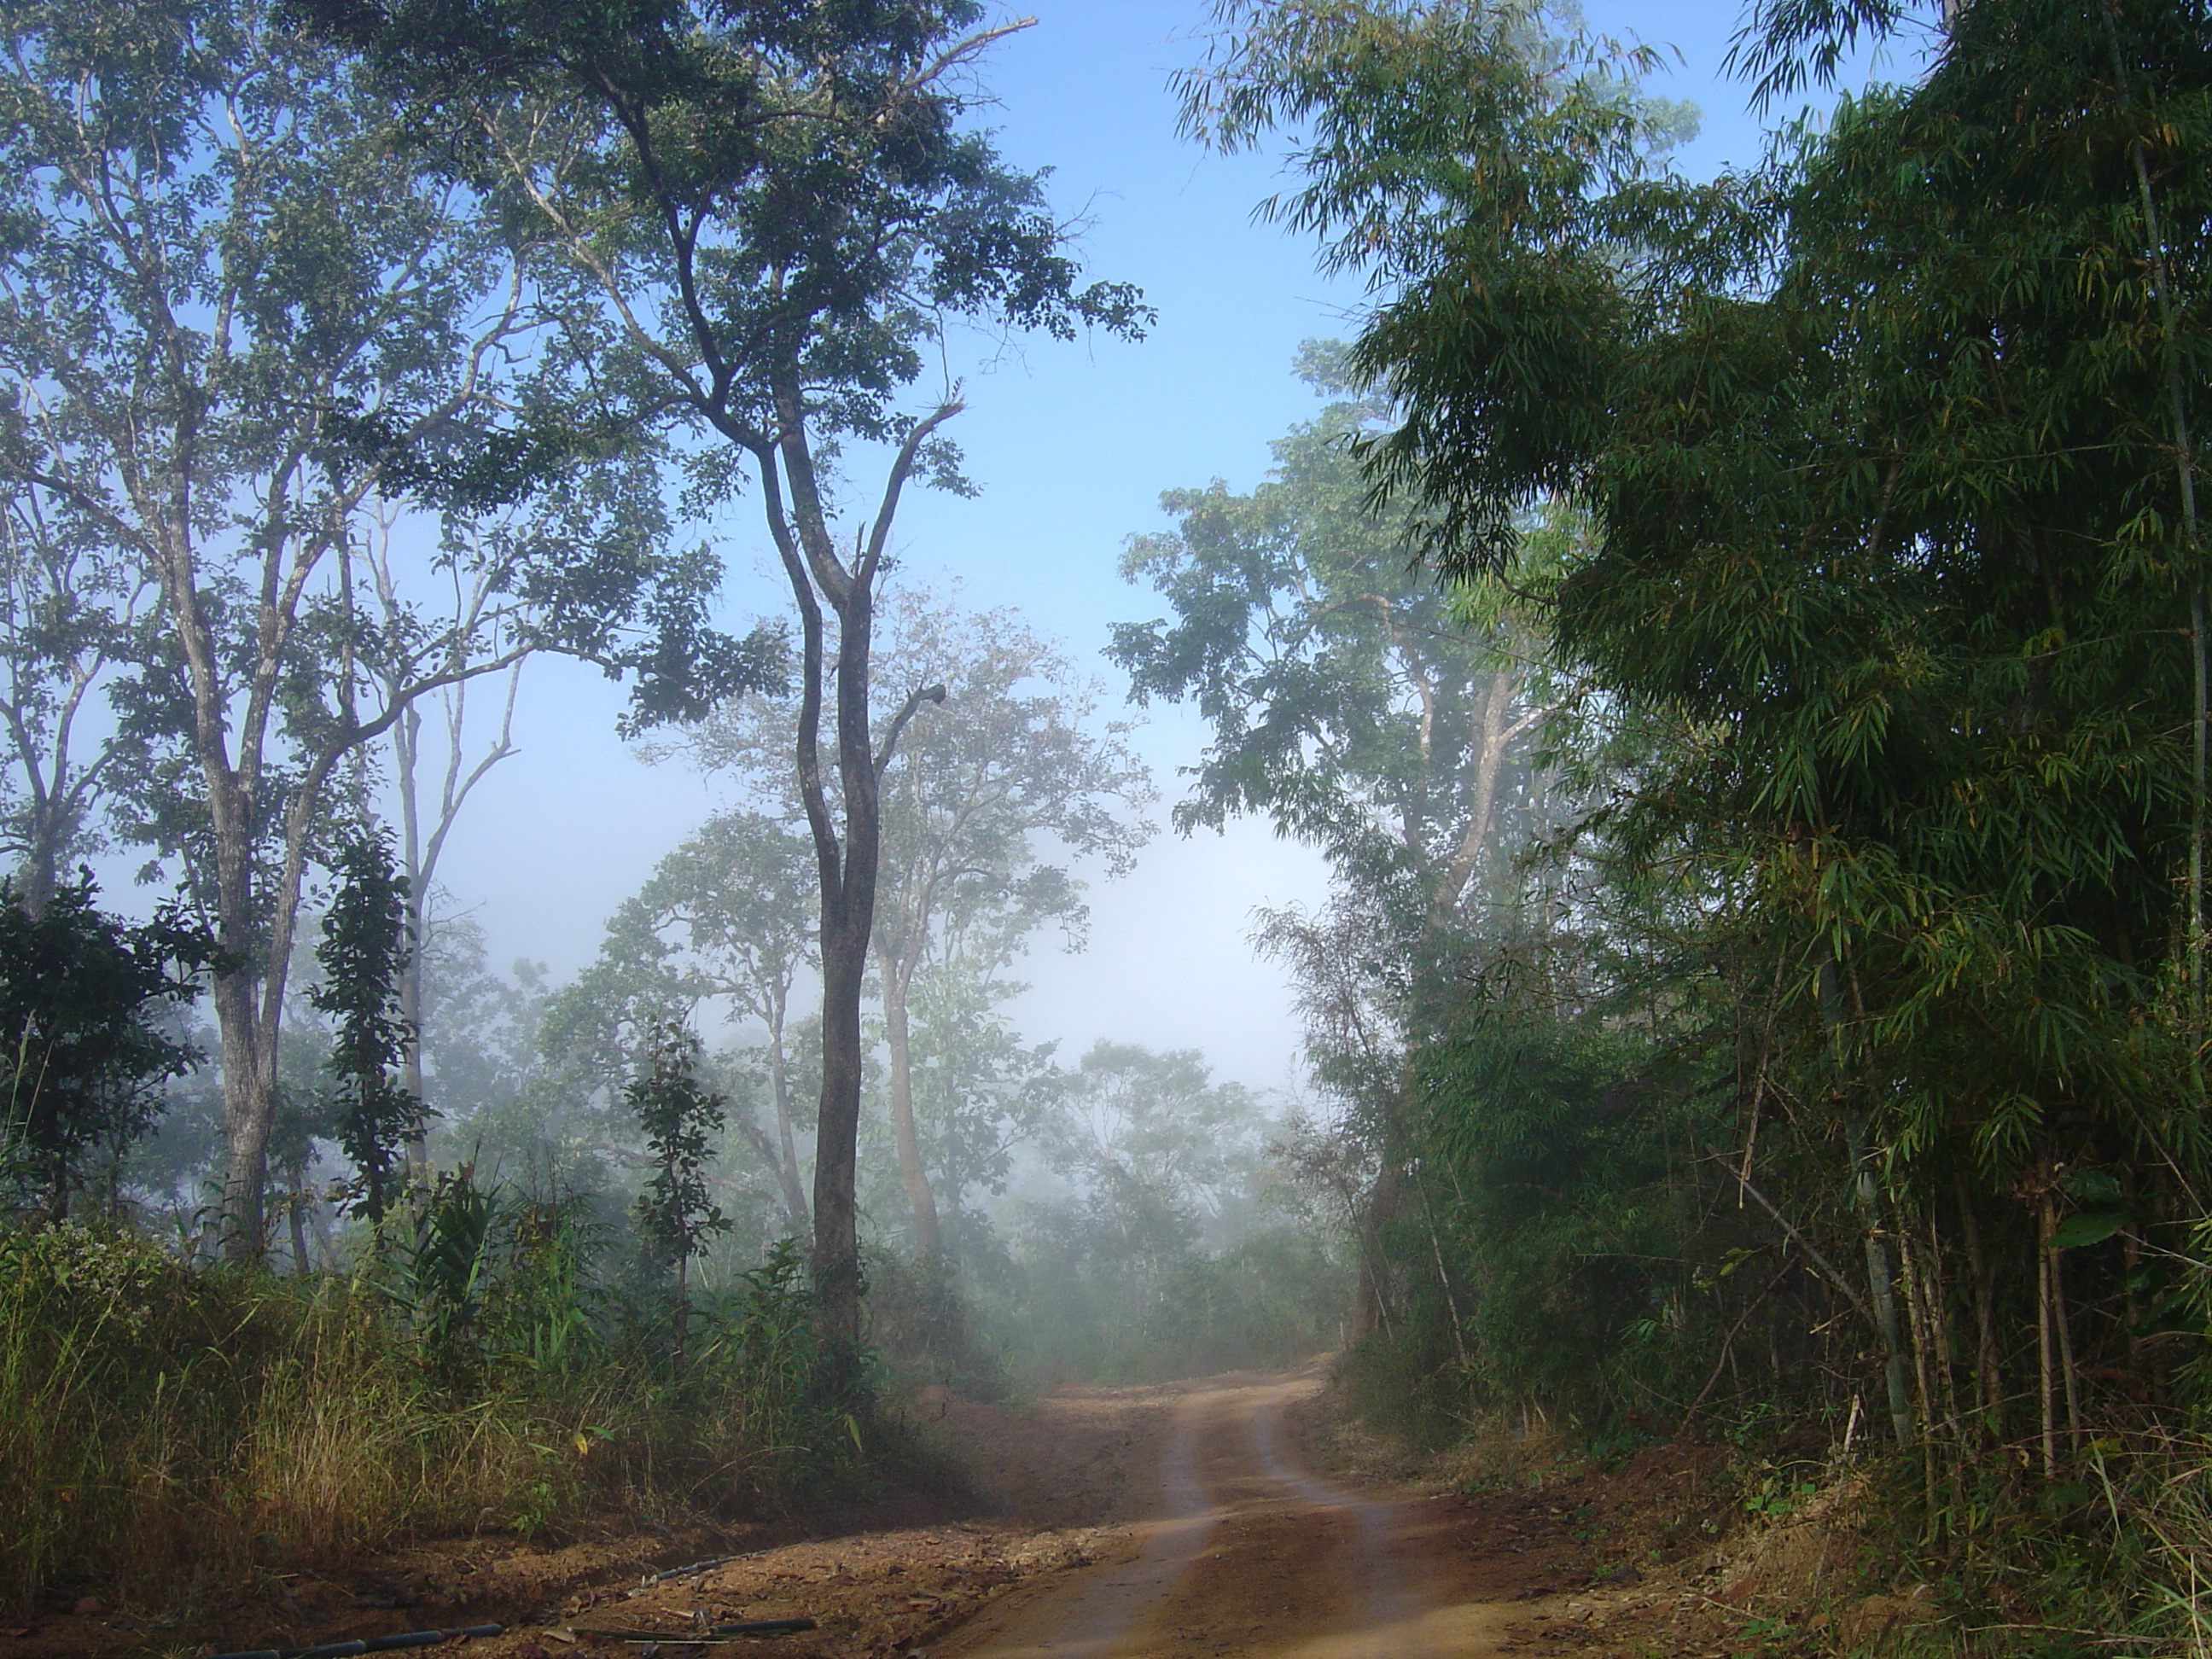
{"x":2068,"y":1373}
{"x":2047,"y":1389}
{"x":1988,"y":1399}
{"x":1945,"y":1366}
{"x":1916,"y":1313}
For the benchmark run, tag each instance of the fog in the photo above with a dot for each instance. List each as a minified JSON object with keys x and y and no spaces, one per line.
{"x":1330,"y":732}
{"x":1071,"y":445}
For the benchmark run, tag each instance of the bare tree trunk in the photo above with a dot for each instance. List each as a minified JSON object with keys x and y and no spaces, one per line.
{"x":2069,"y":1375}
{"x":846,"y":865}
{"x":928,"y":1243}
{"x":1882,"y":1282}
{"x":1919,"y":1321}
{"x":1370,"y":1299}
{"x":249,"y":1094}
{"x":406,"y":750}
{"x":418,"y":853}
{"x":247,"y":1107}
{"x":41,"y":873}
{"x":779,"y":1079}
{"x":836,"y":1149}
{"x":296,"y":1208}
{"x":1939,"y":1300}
{"x":1443,"y":1273}
{"x":249,"y":997}
{"x":1881,"y":1278}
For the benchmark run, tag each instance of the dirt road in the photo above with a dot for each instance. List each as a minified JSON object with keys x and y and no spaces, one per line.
{"x":1186,"y":1521}
{"x":1244,"y":1552}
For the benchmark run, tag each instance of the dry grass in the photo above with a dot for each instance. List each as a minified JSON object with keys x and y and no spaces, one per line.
{"x":163,"y":1430}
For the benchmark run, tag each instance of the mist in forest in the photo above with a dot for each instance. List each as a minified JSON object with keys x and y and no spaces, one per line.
{"x":728,"y":730}
{"x":524,"y":830}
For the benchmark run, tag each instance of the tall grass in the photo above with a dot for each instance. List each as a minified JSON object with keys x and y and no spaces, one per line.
{"x":163,"y":1430}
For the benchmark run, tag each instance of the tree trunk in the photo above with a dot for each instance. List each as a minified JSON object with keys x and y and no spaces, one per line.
{"x":249,"y":998}
{"x":1881,"y":1281}
{"x":836,"y":1237}
{"x":1370,"y":1297}
{"x":406,"y":737}
{"x":2046,"y":1383}
{"x":249,"y":1094}
{"x":40,"y":873}
{"x":1881,"y":1276}
{"x":928,"y":1243}
{"x":296,"y":1210}
{"x":848,"y":909}
{"x":845,"y":866}
{"x":1939,"y":1298}
{"x":2070,"y":1374}
{"x":779,"y":1078}
{"x":418,"y":1141}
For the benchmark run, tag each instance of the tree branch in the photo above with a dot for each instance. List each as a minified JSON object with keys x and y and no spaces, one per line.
{"x":914,"y":701}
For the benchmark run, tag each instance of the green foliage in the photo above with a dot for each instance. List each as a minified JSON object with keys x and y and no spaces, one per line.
{"x":680,"y":1118}
{"x":164,"y":1431}
{"x":448,"y":1268}
{"x":86,"y":1005}
{"x":815,"y":213}
{"x":1335,"y":674}
{"x":176,"y":356}
{"x":1575,"y":1227}
{"x":73,"y":616}
{"x":1480,"y":161}
{"x":362,"y":952}
{"x":729,"y":915}
{"x":1857,"y":1064}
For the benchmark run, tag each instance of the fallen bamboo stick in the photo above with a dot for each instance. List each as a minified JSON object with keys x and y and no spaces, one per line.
{"x":413,"y":1638}
{"x":696,"y":1637}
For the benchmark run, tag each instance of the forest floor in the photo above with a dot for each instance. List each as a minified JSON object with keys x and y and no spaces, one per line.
{"x":1223,"y":1518}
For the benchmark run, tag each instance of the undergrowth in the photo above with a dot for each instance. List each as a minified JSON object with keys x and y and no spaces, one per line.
{"x":164,"y":1430}
{"x":2113,"y":1556}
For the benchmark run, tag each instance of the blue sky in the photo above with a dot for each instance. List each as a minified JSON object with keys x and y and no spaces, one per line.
{"x":1071,"y":445}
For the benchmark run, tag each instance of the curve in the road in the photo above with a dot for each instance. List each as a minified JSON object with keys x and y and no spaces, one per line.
{"x":1389,"y":1606}
{"x":1097,"y":1616}
{"x":1271,"y":1561}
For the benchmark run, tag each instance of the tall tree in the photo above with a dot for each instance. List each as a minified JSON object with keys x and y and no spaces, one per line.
{"x":1388,"y":720}
{"x":424,"y":826}
{"x":232,"y":308}
{"x":1891,"y":475}
{"x":772,"y":216}
{"x":999,"y":788}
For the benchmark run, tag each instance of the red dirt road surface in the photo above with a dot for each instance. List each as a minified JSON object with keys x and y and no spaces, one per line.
{"x":1194,"y":1520}
{"x":1248,"y":1553}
